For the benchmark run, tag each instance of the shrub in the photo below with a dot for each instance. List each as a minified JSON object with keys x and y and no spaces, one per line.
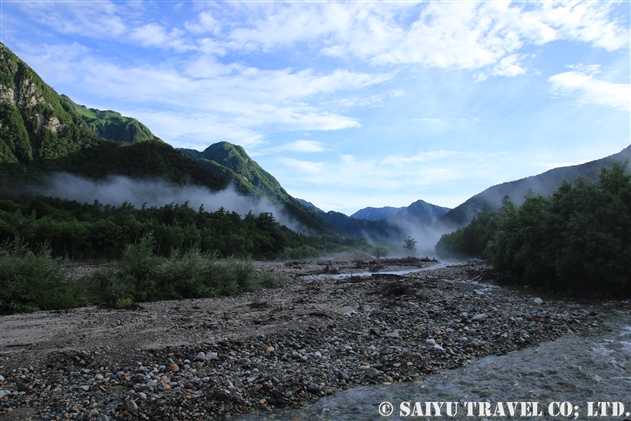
{"x":32,"y":281}
{"x":380,"y":251}
{"x":143,"y":276}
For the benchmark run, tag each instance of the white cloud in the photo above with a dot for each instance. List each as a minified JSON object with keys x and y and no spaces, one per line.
{"x":103,"y":19}
{"x":299,"y":167}
{"x":154,"y":35}
{"x":347,"y":172}
{"x":465,"y":35}
{"x":232,"y":96}
{"x":308,"y":146}
{"x":590,"y":90}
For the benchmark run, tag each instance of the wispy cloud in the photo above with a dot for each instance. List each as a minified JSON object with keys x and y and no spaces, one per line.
{"x":302,"y":168}
{"x":308,"y":146}
{"x":472,"y":35}
{"x":590,"y":90}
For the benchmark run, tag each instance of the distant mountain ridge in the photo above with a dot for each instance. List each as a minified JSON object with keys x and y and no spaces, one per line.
{"x":419,"y":212}
{"x":375,"y":214}
{"x":544,"y":184}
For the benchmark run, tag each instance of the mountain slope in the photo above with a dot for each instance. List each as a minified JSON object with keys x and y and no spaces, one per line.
{"x":419,"y":212}
{"x":233,"y":163}
{"x":353,"y":227}
{"x":36,"y":124}
{"x":375,"y":214}
{"x":42,"y":131}
{"x":544,"y":184}
{"x":111,"y":125}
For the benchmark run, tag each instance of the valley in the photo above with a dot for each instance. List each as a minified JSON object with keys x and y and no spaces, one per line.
{"x":275,"y":348}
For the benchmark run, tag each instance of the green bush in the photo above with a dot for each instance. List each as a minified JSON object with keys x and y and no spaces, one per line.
{"x":143,"y":276}
{"x":380,"y":251}
{"x":579,"y":238}
{"x":31,"y":281}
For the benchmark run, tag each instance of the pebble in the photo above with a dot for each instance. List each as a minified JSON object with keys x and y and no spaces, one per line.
{"x":372,"y":372}
{"x":389,"y":339}
{"x":538,"y":300}
{"x":130,"y":406}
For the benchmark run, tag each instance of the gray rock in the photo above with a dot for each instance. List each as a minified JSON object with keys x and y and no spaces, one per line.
{"x":372,"y":372}
{"x":130,"y":406}
{"x":313,"y":388}
{"x":200,"y":357}
{"x":538,"y":300}
{"x":479,"y":317}
{"x":430,"y":341}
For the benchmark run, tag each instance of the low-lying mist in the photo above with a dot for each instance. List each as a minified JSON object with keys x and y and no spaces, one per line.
{"x":115,"y":190}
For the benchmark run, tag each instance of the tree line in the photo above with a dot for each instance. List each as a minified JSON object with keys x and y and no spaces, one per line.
{"x":578,"y":238}
{"x":87,"y":231}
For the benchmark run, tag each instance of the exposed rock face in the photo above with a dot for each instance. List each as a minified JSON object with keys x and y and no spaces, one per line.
{"x":35,"y":120}
{"x":7,"y":94}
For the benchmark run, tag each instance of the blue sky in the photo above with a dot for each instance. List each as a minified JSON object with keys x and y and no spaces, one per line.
{"x":351,"y":104}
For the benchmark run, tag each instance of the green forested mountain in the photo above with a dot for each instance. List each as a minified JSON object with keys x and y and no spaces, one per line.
{"x":111,"y":125}
{"x":36,"y":124}
{"x":42,"y":131}
{"x":233,"y":163}
{"x":578,"y":238}
{"x":544,"y":184}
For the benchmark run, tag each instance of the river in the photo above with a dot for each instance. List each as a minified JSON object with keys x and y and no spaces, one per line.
{"x":560,"y":378}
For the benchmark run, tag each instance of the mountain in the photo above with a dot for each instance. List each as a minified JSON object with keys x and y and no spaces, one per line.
{"x":42,"y":132}
{"x":543,"y":184}
{"x":353,"y":227}
{"x":36,"y":124}
{"x":375,"y":214}
{"x":419,"y":212}
{"x":111,"y":125}
{"x":233,"y":164}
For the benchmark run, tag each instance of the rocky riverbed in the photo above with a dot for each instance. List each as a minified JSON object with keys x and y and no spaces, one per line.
{"x":287,"y":347}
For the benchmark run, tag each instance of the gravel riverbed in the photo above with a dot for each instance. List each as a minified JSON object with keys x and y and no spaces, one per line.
{"x":273,"y":349}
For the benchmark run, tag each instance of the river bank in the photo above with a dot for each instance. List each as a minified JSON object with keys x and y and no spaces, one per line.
{"x":218,"y":358}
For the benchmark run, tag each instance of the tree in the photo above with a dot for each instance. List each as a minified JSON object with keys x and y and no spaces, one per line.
{"x":410,"y":244}
{"x":380,"y":251}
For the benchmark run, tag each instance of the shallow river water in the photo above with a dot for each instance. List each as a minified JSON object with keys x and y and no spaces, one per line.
{"x":562,"y":377}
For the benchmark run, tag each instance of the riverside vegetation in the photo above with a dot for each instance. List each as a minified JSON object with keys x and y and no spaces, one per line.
{"x":579,"y":238}
{"x":170,"y":252}
{"x":33,"y":281}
